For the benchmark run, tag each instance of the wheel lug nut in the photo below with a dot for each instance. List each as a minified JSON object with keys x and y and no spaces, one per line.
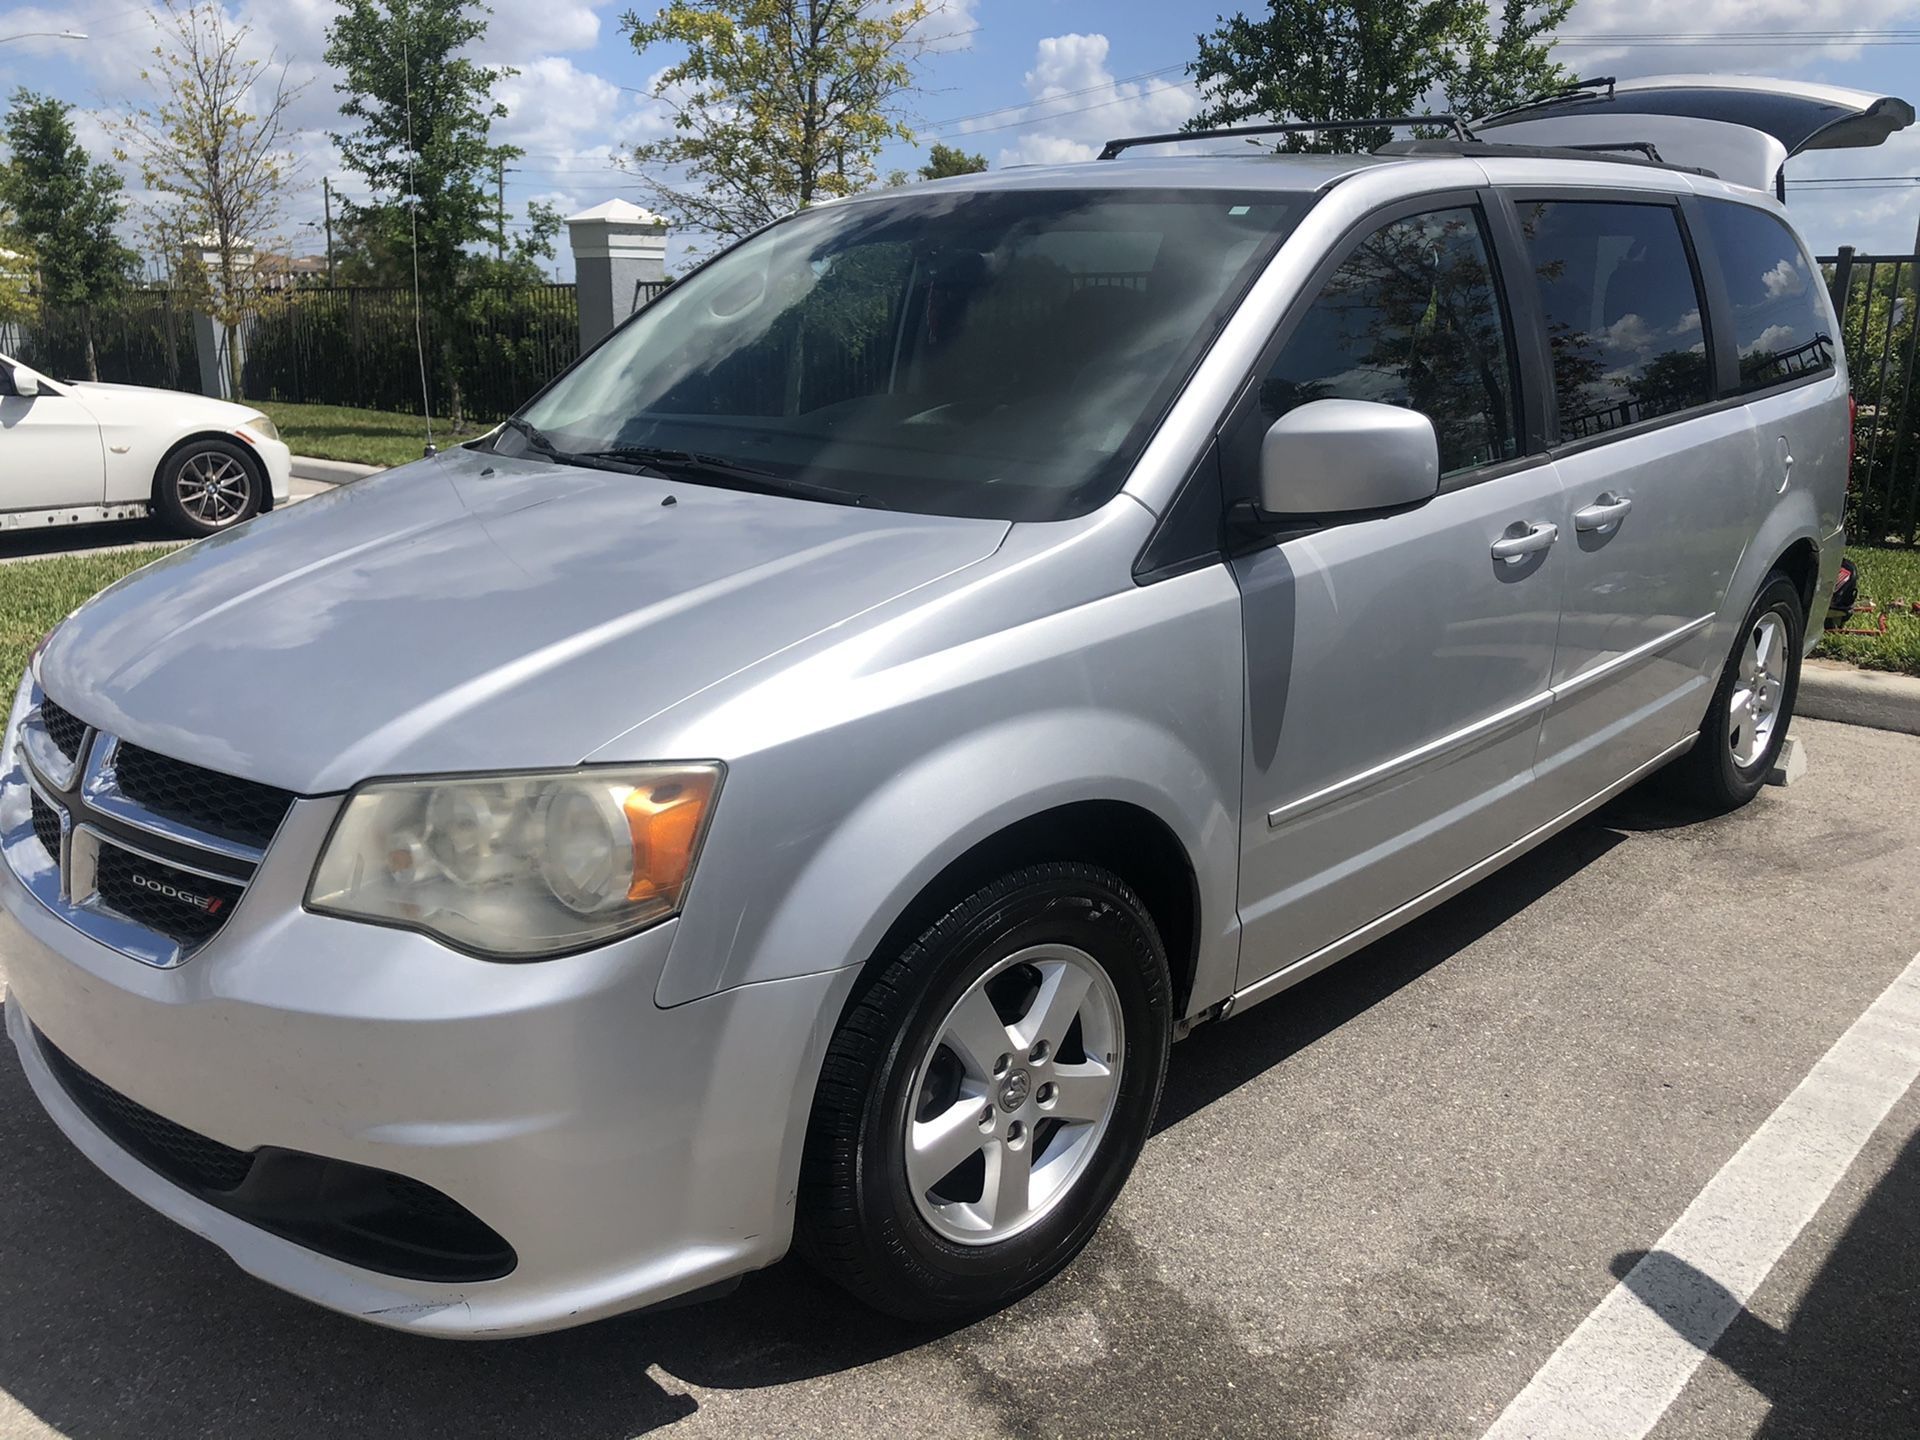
{"x":1016,"y":1134}
{"x":986,"y":1119}
{"x":1046,"y":1093}
{"x":1000,"y":1066}
{"x":1038,"y":1053}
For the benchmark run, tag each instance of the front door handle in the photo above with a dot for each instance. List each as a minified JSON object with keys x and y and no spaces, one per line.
{"x":1532,"y":538}
{"x":1605,"y":513}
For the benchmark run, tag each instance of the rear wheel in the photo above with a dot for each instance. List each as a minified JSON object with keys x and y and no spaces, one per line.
{"x":1752,"y":706}
{"x":987,"y":1095}
{"x":207,"y":486}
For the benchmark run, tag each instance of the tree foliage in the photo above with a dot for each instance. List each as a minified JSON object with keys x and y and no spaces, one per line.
{"x":16,"y":270}
{"x":212,"y":146}
{"x":64,"y":204}
{"x":1305,"y":60}
{"x":424,"y":112}
{"x":777,"y":103}
{"x":944,"y":161}
{"x":1514,"y":62}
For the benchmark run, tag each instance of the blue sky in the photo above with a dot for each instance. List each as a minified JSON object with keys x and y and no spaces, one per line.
{"x":1019,"y":80}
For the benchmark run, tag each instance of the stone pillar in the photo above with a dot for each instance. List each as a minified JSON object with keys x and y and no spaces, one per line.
{"x":619,"y":252}
{"x":210,"y":339}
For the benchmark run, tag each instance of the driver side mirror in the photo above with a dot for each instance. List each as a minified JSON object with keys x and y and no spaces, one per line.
{"x":1331,"y":458}
{"x":26,"y":384}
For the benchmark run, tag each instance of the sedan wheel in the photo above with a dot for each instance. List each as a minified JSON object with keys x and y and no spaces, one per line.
{"x":208,"y":486}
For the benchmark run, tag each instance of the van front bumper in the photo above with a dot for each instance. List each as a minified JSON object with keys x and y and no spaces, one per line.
{"x":627,"y":1154}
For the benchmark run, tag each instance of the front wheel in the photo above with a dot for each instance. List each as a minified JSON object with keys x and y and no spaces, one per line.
{"x":1752,"y":706}
{"x":207,"y":486}
{"x":987,"y":1095}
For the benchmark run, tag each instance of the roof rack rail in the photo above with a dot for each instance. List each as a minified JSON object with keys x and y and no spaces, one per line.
{"x":1617,"y":152}
{"x":1573,"y":90}
{"x":1293,"y":127}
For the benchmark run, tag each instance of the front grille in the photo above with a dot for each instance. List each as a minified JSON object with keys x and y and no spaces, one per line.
{"x":174,"y":902}
{"x":371,"y":1218}
{"x":242,"y":810}
{"x":46,"y":826}
{"x":182,"y":1155}
{"x":64,"y":728}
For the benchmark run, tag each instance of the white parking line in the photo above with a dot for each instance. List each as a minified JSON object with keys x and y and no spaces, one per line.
{"x":1616,"y":1375}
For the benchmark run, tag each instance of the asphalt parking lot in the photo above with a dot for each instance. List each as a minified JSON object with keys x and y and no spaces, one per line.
{"x":1373,"y":1207}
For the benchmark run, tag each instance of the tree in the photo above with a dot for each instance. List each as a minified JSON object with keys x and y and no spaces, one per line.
{"x":425,"y":113}
{"x":212,"y":145}
{"x":1514,"y":63}
{"x":64,"y":208}
{"x":16,"y":271}
{"x":947,"y":160}
{"x":777,"y":103}
{"x":1312,"y":61}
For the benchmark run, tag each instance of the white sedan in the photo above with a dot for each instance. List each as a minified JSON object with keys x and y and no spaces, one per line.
{"x":74,"y":453}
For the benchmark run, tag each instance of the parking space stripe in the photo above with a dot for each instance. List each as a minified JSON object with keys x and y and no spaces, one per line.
{"x":1627,"y":1362}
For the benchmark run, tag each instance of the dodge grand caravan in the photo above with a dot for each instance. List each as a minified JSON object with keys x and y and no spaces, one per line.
{"x":792,"y":783}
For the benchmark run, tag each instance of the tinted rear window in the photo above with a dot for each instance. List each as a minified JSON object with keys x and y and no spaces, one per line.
{"x":1622,"y":312}
{"x":1780,"y":328}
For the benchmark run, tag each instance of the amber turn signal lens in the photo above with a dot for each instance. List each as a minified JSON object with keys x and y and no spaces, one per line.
{"x":665,"y":822}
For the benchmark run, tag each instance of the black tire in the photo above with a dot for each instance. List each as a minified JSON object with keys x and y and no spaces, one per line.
{"x":1709,"y":776}
{"x":858,"y":1219}
{"x":209,"y":485}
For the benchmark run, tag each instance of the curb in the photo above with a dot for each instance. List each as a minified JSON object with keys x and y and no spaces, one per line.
{"x":331,"y":472}
{"x":1875,"y":698}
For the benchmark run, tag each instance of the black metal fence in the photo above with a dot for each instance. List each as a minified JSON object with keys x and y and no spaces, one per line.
{"x":340,"y":345}
{"x":1878,"y":300}
{"x":144,"y":338}
{"x":330,"y":345}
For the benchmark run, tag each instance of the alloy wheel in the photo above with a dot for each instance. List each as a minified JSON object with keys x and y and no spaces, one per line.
{"x":1754,"y":706}
{"x":1015,"y":1094}
{"x":213,"y":488}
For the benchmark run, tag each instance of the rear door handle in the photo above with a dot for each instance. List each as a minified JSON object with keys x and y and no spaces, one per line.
{"x":1605,"y":513}
{"x":1515,"y":548}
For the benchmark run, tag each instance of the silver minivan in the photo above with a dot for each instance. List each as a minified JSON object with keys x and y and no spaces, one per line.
{"x":790,"y":786}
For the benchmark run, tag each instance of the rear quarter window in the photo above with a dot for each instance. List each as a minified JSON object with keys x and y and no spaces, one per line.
{"x":1780,"y":327}
{"x":1622,"y":312}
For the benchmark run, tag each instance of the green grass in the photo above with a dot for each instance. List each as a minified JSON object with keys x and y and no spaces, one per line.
{"x":36,"y":594}
{"x":1891,"y":579}
{"x":364,"y":437}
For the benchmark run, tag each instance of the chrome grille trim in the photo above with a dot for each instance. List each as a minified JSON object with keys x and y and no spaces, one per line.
{"x":94,"y":816}
{"x":102,"y":793}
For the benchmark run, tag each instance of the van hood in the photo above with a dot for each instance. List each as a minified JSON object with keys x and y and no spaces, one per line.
{"x":470,"y":612}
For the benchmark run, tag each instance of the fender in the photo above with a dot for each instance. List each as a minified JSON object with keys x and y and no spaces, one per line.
{"x":866,"y":780}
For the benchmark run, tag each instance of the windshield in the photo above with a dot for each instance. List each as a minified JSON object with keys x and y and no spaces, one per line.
{"x":1001,"y":353}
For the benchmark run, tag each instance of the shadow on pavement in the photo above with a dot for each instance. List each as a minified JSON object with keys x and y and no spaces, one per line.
{"x":114,"y":1321}
{"x":1219,"y":1059}
{"x":1848,"y":1362}
{"x":60,"y":539}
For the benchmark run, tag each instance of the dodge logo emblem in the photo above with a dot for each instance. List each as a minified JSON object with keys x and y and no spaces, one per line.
{"x":206,"y":904}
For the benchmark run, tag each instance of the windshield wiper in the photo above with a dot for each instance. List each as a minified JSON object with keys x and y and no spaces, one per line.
{"x":704,"y":469}
{"x":534,"y":438}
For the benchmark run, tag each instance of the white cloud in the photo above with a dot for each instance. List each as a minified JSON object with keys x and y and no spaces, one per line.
{"x":1075,"y":104}
{"x":1731,"y":18}
{"x":1774,"y":337}
{"x":1784,"y":279}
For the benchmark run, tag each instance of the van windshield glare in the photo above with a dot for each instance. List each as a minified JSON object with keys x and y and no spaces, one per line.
{"x":1001,"y":353}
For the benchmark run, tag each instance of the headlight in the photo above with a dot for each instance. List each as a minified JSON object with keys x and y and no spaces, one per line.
{"x":519,"y":866}
{"x":261,"y":425}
